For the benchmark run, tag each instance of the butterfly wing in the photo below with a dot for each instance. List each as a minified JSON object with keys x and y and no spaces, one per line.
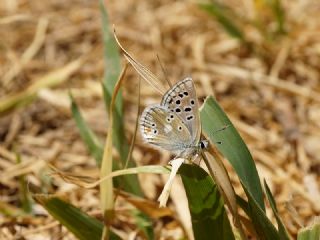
{"x":164,"y":129}
{"x":182,"y":100}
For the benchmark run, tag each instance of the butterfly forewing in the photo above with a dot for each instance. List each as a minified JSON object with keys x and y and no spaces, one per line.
{"x":182,"y":100}
{"x":161,"y":127}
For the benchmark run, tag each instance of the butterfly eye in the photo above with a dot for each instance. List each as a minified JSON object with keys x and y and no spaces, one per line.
{"x":204,"y":144}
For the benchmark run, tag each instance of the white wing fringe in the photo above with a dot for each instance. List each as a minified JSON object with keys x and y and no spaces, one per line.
{"x":164,"y":196}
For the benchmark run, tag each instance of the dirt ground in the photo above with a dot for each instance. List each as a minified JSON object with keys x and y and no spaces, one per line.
{"x":270,"y":91}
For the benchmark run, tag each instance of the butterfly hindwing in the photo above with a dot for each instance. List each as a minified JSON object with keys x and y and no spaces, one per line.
{"x":161,"y":127}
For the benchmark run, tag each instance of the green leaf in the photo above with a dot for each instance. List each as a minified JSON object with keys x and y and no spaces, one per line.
{"x":94,"y":146}
{"x":209,"y":218}
{"x":112,"y":72}
{"x":311,"y":232}
{"x":263,"y":226}
{"x":232,"y":147}
{"x":221,"y":14}
{"x":82,"y":225}
{"x":283,"y":233}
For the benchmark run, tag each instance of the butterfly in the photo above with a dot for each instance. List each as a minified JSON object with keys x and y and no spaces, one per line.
{"x":174,"y":124}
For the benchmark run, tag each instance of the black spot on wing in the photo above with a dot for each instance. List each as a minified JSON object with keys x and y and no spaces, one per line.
{"x":187,"y":109}
{"x":190,"y":117}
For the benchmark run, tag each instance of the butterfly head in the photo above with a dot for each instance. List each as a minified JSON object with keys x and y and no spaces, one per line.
{"x":203,"y":145}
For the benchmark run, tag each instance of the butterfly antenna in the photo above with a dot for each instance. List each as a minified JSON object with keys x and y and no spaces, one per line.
{"x":164,"y":72}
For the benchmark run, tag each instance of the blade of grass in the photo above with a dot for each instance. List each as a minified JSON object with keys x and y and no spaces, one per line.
{"x":94,"y":146}
{"x":311,"y":232}
{"x":111,"y":60}
{"x":221,"y":14}
{"x":88,"y":182}
{"x":263,"y":226}
{"x":82,"y":225}
{"x":283,"y":233}
{"x":51,"y":79}
{"x":24,"y":194}
{"x":243,"y":204}
{"x":8,"y":210}
{"x":143,"y":221}
{"x":221,"y":178}
{"x":232,"y":147}
{"x":90,"y":139}
{"x":209,"y":218}
{"x":106,"y":187}
{"x":112,"y":71}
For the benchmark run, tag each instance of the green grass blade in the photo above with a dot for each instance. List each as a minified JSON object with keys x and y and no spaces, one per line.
{"x":96,"y":150}
{"x":221,"y":14}
{"x":49,"y":80}
{"x":311,"y":232}
{"x":232,"y":147}
{"x":111,"y":75}
{"x":82,"y":225}
{"x":24,"y":194}
{"x":129,"y":183}
{"x":263,"y":226}
{"x":112,"y":72}
{"x":209,"y":218}
{"x":281,"y":228}
{"x":94,"y":146}
{"x":144,"y":223}
{"x":111,"y":59}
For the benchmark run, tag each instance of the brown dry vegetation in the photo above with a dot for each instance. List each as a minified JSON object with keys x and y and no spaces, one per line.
{"x":271,"y":93}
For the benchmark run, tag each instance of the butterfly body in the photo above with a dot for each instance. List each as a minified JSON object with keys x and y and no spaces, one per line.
{"x":174,"y":124}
